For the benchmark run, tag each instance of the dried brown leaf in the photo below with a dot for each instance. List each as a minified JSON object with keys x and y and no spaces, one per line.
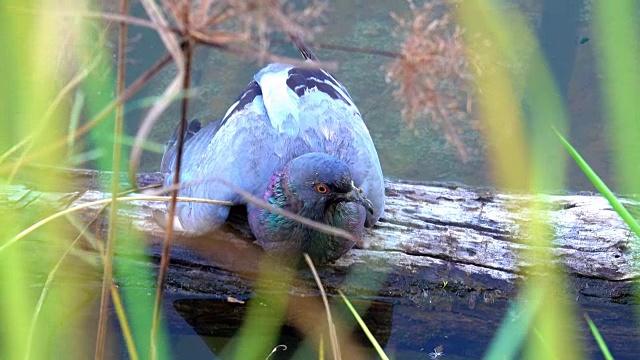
{"x":432,"y":72}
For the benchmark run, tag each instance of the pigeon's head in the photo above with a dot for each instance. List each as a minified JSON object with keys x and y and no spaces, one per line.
{"x":321,"y":181}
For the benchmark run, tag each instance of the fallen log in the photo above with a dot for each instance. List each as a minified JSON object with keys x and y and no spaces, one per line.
{"x":444,"y":248}
{"x":429,"y":234}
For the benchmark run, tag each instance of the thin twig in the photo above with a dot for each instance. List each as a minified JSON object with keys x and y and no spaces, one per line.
{"x":304,"y":50}
{"x":333,"y":336}
{"x":248,"y":52}
{"x":350,"y":49}
{"x":165,"y":256}
{"x":119,"y":18}
{"x":224,"y":15}
{"x":178,"y":53}
{"x":107,"y":274}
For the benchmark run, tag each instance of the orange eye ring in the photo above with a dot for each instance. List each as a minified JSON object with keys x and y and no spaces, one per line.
{"x":322,"y":188}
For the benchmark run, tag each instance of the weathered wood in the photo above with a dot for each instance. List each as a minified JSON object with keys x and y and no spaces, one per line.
{"x":444,"y":259}
{"x":429,"y":236}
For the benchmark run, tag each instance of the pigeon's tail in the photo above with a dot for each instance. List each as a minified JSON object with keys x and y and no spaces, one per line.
{"x":192,"y":127}
{"x":170,"y":145}
{"x":306,"y":52}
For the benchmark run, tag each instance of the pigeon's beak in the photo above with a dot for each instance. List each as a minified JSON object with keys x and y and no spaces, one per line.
{"x":356,"y":195}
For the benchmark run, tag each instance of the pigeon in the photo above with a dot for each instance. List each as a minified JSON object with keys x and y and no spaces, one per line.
{"x":295,"y":138}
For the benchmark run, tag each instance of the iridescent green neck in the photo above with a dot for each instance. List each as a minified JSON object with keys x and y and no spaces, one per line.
{"x":321,"y":247}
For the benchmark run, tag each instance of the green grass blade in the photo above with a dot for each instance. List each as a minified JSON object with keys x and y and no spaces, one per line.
{"x":596,"y":335}
{"x":264,"y":317}
{"x":514,"y":329}
{"x":364,"y":327}
{"x":74,"y":119}
{"x":618,"y":45}
{"x":601,"y":186}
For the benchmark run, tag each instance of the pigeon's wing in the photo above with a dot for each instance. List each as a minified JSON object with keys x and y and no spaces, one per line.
{"x":232,"y":152}
{"x":170,"y":145}
{"x":310,"y":111}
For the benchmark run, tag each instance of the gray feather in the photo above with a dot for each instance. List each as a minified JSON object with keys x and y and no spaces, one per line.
{"x":258,"y":137}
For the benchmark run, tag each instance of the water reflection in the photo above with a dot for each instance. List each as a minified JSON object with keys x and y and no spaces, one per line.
{"x":410,"y":327}
{"x":406,"y":330}
{"x":420,"y":153}
{"x":219,"y":322}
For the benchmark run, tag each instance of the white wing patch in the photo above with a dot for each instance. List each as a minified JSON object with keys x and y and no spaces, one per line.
{"x":281,"y":102}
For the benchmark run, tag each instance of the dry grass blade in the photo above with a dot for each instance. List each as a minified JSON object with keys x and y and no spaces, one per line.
{"x":174,"y":47}
{"x":335,"y":345}
{"x":124,"y":324}
{"x":47,"y":285}
{"x":107,"y":277}
{"x":88,"y":205}
{"x":115,"y":295}
{"x":310,"y":223}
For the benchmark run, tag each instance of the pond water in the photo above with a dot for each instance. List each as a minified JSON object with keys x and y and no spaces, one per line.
{"x":419,"y":152}
{"x":416,"y":153}
{"x":205,"y":327}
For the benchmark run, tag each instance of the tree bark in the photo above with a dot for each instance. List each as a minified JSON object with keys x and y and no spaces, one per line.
{"x":431,"y":237}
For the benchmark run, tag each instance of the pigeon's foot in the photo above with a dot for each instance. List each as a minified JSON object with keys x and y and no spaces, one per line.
{"x":162,"y":219}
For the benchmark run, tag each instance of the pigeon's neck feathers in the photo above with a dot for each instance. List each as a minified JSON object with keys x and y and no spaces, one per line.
{"x":284,"y":195}
{"x":320,"y":246}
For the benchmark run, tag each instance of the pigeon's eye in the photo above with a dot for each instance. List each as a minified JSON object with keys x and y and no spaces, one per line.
{"x":322,"y":188}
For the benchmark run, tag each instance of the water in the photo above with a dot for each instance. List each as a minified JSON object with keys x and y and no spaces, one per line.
{"x":206,"y":326}
{"x":418,"y":153}
{"x":421,"y":152}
